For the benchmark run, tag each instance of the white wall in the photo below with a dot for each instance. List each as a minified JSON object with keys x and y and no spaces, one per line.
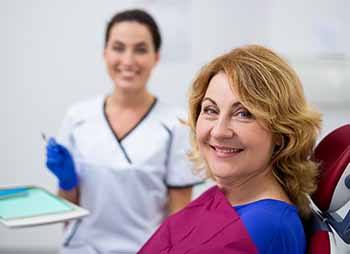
{"x":51,"y":56}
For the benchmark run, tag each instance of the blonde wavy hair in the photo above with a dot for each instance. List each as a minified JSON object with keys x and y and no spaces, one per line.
{"x":270,"y":89}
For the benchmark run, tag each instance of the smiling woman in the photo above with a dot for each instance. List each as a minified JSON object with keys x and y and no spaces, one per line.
{"x":236,"y":147}
{"x":130,"y":55}
{"x":122,"y":155}
{"x":253,"y":133}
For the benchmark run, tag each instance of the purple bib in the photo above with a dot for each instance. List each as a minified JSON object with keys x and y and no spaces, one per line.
{"x":208,"y":225}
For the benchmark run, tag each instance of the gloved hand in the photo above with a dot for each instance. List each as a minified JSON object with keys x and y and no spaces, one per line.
{"x":60,"y":162}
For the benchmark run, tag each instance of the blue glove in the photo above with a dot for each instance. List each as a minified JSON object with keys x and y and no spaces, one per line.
{"x":60,"y":162}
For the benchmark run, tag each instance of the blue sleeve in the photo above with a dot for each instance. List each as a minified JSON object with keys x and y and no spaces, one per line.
{"x":274,"y":227}
{"x":289,"y":237}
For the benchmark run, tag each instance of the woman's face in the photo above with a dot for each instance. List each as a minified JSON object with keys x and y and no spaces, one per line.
{"x":130,"y":55}
{"x":234,"y":145}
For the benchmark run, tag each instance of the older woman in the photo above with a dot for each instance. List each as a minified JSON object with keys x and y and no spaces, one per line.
{"x":253,"y":133}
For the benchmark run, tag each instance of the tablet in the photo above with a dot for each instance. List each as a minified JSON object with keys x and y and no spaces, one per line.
{"x":27,"y":206}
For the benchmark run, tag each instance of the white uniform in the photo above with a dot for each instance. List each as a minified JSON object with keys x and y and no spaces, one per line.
{"x":123,"y":182}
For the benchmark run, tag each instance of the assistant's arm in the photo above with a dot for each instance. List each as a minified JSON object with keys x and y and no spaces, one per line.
{"x":71,"y":195}
{"x":178,"y":198}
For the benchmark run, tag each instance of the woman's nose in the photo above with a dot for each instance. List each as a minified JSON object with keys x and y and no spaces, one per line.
{"x":128,"y":58}
{"x":222,"y":129}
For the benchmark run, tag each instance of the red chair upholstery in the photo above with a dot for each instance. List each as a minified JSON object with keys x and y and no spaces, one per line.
{"x":320,"y":243}
{"x":330,"y":233}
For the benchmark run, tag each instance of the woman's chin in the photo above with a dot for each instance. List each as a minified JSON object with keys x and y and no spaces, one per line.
{"x":129,"y":87}
{"x":224,"y":178}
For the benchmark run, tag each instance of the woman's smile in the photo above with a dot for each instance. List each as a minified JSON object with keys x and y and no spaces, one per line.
{"x":225,"y":151}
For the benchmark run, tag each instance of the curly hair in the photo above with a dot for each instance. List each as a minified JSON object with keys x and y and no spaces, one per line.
{"x":270,"y":89}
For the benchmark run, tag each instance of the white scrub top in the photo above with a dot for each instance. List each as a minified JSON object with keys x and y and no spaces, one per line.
{"x":123,"y":182}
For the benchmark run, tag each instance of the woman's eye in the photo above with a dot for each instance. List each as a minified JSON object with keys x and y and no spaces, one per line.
{"x":209,"y":110}
{"x":244,"y":114}
{"x":141,"y":50}
{"x":118,"y":49}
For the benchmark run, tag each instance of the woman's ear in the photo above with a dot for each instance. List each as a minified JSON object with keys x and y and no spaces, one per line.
{"x":278,"y":139}
{"x":279,"y":142}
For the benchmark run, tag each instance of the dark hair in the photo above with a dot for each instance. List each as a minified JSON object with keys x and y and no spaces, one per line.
{"x":139,"y":16}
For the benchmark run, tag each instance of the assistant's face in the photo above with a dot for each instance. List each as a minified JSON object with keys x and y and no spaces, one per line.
{"x":235,"y":146}
{"x":130,"y":55}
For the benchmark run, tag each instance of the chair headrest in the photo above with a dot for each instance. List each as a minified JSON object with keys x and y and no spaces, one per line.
{"x":333,"y":154}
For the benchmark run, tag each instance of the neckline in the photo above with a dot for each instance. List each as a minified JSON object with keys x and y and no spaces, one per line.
{"x":266,"y":200}
{"x":119,"y":140}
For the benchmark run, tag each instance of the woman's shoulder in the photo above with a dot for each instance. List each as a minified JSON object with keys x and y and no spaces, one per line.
{"x":87,"y":104}
{"x":273,"y":225}
{"x":85,"y":108}
{"x":165,"y":108}
{"x":169,"y":114}
{"x":271,"y":213}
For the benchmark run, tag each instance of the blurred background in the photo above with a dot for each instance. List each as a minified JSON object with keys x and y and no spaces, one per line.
{"x":51,"y":56}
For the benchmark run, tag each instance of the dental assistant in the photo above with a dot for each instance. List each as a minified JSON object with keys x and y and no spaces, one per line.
{"x":122,"y":156}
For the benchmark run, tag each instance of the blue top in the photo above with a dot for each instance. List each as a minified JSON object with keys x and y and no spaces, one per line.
{"x":274,"y":226}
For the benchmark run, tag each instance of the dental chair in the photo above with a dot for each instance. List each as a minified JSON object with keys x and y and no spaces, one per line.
{"x":329,"y":232}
